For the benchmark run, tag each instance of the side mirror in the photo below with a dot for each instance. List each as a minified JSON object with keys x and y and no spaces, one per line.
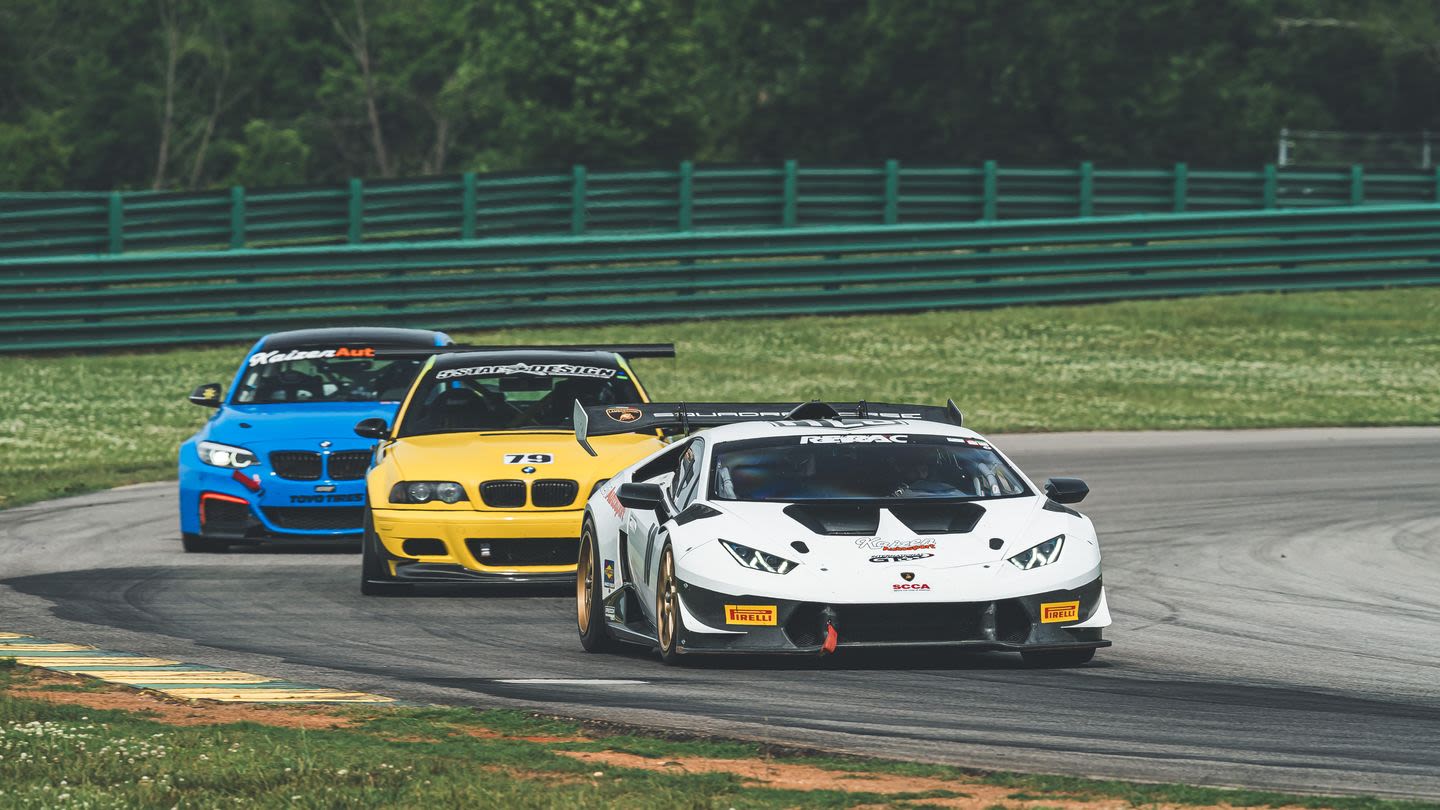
{"x":372,"y":428}
{"x":1066,"y":490}
{"x":207,"y":395}
{"x":645,"y":497}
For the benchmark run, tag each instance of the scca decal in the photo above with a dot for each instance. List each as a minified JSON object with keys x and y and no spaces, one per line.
{"x":863,"y":438}
{"x":750,"y":614}
{"x":910,"y":586}
{"x":1051,"y":612}
{"x":267,"y":358}
{"x":514,"y":369}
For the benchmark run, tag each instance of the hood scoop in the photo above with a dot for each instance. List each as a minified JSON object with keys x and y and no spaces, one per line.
{"x":950,"y":518}
{"x":836,"y":518}
{"x":864,"y":519}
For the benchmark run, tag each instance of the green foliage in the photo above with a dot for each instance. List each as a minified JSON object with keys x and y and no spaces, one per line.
{"x":182,"y":93}
{"x":35,"y":155}
{"x":268,"y":156}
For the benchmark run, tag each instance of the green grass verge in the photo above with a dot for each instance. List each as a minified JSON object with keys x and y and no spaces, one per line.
{"x":75,"y":423}
{"x":73,"y":756}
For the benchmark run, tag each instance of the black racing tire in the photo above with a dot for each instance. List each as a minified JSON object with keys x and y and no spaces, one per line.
{"x":1057,"y":659}
{"x":197,"y":544}
{"x":669,"y":624}
{"x":374,"y":572}
{"x":589,"y":600}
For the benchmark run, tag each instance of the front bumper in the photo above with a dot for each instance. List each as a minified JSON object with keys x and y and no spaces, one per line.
{"x":217,"y":506}
{"x":459,"y":546}
{"x":801,"y":627}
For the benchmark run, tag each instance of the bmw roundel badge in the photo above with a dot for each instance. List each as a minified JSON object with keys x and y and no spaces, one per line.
{"x":527,"y":470}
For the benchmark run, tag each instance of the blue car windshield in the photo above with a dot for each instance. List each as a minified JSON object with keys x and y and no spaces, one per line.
{"x":309,"y":375}
{"x":865,"y":466}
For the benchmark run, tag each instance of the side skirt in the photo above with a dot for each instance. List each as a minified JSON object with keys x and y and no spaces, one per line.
{"x":626,"y":621}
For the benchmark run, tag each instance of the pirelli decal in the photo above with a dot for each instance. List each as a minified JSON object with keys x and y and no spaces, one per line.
{"x":750,"y":614}
{"x":1051,"y":612}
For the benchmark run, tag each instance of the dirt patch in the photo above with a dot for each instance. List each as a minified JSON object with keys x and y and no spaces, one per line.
{"x":166,"y":709}
{"x":794,"y":776}
{"x":482,"y":733}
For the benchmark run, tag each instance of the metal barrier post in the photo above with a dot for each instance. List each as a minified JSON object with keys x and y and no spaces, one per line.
{"x":577,"y":200}
{"x":686,"y":220}
{"x":116,"y":222}
{"x":1357,"y":184}
{"x":991,"y":188}
{"x":237,"y":217}
{"x":1272,"y":186}
{"x":1087,"y":189}
{"x":467,"y":206}
{"x":892,"y":192}
{"x":1181,"y":190}
{"x":356,"y":231}
{"x":792,"y":190}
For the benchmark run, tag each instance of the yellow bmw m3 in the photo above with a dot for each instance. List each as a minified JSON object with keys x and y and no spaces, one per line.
{"x":480,"y":478}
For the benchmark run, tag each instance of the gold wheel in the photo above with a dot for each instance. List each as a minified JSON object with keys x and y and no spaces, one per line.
{"x":584,"y":584}
{"x":667,"y":609}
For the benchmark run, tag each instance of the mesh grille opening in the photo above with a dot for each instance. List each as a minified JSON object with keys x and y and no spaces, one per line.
{"x":805,"y":626}
{"x":349,"y":465}
{"x":423,"y":547}
{"x":296,"y":465}
{"x":224,"y":516}
{"x":1012,"y":623}
{"x":961,"y":621}
{"x":506,"y":552}
{"x":554,"y":492}
{"x":317,"y":518}
{"x":503,"y":494}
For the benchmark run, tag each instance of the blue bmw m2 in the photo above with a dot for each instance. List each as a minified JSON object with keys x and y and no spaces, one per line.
{"x":279,"y":460}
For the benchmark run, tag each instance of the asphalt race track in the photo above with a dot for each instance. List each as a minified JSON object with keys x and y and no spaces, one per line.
{"x":1276,"y":594}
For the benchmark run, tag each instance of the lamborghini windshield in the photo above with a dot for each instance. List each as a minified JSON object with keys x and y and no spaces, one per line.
{"x":511,"y":397}
{"x":323,"y":374}
{"x":861,"y":466}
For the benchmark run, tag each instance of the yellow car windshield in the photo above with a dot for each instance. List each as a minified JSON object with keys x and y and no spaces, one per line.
{"x":515,"y":397}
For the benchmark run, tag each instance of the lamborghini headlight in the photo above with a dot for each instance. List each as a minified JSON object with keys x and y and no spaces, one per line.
{"x":758,"y":560}
{"x":427,"y":491}
{"x":223,"y":455}
{"x":1043,"y":554}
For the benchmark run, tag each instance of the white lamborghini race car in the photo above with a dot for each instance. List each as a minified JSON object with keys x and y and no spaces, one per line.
{"x":812,"y":528}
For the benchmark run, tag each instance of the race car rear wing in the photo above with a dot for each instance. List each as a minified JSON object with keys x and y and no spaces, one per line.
{"x":687,"y":416}
{"x":629,"y":351}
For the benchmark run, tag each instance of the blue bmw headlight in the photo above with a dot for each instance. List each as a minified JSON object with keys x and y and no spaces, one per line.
{"x":224,"y":455}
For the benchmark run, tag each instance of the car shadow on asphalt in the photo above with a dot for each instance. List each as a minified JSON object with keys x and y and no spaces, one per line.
{"x":895,"y":658}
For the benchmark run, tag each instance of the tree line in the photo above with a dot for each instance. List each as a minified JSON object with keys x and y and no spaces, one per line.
{"x":186,"y":94}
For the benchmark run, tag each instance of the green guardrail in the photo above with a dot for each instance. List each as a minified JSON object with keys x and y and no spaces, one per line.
{"x":74,"y":302}
{"x":681,"y":199}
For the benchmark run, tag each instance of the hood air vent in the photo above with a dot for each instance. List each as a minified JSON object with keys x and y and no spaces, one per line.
{"x":951,"y":518}
{"x":835,"y":519}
